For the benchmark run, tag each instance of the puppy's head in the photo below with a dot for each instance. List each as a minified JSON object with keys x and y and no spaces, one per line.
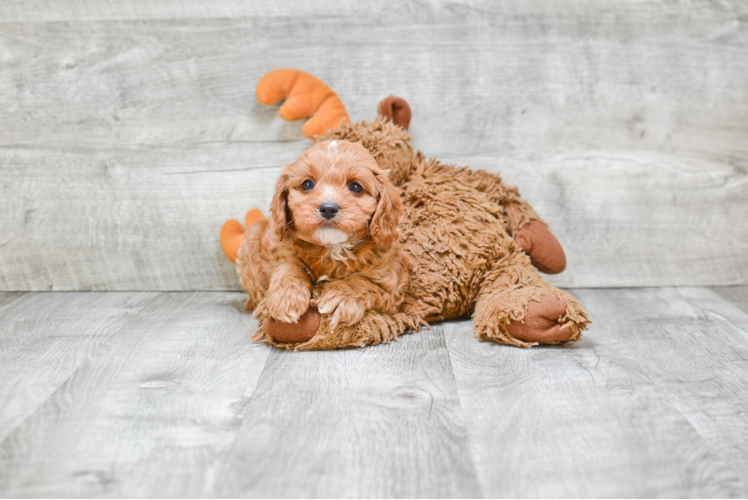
{"x":335,"y":194}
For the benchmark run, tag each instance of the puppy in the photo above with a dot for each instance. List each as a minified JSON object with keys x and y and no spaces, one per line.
{"x":331,"y":242}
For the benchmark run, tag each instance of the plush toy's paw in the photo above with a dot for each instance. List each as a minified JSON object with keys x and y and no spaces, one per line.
{"x":545,"y":252}
{"x":287,"y":303}
{"x":542,"y":322}
{"x":340,"y":301}
{"x":293,"y":333}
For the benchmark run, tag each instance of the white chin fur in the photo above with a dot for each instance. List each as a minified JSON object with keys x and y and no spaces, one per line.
{"x":330,"y":236}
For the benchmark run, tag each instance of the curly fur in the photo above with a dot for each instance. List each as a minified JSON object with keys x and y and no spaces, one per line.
{"x":351,"y":263}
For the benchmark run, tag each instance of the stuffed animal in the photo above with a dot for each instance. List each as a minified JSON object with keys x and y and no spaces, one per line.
{"x":465,"y":244}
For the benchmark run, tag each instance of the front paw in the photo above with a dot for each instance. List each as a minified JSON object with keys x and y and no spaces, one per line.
{"x":342,"y":303}
{"x":288,"y":303}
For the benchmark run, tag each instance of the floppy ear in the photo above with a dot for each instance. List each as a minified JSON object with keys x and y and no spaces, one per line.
{"x":389,"y":211}
{"x":279,"y":207}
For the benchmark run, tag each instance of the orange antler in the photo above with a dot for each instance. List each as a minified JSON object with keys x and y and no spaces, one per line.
{"x":305,"y":95}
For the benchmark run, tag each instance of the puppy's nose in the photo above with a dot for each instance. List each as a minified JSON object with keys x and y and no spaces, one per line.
{"x":328,"y":210}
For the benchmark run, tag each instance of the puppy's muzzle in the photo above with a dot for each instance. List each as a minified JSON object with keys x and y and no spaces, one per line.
{"x":328,"y":210}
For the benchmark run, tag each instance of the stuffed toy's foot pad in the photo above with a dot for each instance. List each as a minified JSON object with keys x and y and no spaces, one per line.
{"x":293,"y":333}
{"x":541,"y":323}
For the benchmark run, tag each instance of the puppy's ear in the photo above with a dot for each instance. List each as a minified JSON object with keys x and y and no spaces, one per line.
{"x":389,"y":211}
{"x":279,"y":207}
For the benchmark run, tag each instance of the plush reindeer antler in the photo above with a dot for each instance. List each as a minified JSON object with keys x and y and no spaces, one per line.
{"x":305,"y":95}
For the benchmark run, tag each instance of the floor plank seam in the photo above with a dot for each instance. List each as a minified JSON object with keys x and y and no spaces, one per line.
{"x":223,"y":467}
{"x":73,"y":373}
{"x":462,"y":410}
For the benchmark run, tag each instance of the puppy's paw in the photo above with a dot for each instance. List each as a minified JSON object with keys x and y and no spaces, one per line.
{"x":342,"y":303}
{"x":288,"y":303}
{"x":349,"y":312}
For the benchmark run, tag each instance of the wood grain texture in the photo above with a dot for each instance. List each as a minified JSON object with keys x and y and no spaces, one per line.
{"x":694,"y":348}
{"x":76,"y":10}
{"x":150,"y":414}
{"x":45,"y":338}
{"x":735,"y":295}
{"x":8,"y":297}
{"x":381,"y":422}
{"x":133,"y":220}
{"x":129,"y":137}
{"x":177,"y":402}
{"x":650,"y":403}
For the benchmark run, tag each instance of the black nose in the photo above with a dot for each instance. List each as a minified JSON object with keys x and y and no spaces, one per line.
{"x":328,"y":210}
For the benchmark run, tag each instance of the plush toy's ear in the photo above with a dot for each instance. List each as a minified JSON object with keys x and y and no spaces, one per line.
{"x":279,"y":207}
{"x":306,"y":96}
{"x":389,"y":211}
{"x":396,"y":110}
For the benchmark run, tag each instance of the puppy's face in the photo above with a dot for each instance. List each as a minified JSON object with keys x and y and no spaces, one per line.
{"x":336,"y":194}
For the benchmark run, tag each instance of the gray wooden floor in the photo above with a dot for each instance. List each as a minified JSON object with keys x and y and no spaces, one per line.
{"x":135,"y":394}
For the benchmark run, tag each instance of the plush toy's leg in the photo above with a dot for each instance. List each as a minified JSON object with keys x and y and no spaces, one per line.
{"x":545,"y":251}
{"x":374,"y":328}
{"x":523,"y":223}
{"x":515,"y":306}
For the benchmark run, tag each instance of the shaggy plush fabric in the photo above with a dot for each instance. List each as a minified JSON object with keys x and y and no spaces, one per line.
{"x":458,"y":229}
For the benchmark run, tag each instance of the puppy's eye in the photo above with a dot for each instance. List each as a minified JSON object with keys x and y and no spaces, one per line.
{"x":307,"y":185}
{"x":355,"y":187}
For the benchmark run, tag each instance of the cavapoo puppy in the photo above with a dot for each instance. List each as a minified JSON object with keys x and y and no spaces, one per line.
{"x":332,"y":235}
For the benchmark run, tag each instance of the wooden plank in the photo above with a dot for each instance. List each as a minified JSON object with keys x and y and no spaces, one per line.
{"x":179,"y":403}
{"x":76,"y":10}
{"x":735,"y":295}
{"x":379,"y":422}
{"x":694,"y":345}
{"x":132,"y":220}
{"x":623,"y":126}
{"x":650,"y":403}
{"x":149,"y":220}
{"x":581,"y":74}
{"x":8,"y":297}
{"x":45,"y":338}
{"x":150,"y":414}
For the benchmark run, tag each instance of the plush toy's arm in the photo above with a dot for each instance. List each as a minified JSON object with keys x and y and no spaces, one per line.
{"x":517,"y":211}
{"x":532,"y":234}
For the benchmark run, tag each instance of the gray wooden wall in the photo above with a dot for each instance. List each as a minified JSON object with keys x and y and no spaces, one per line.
{"x":130,"y":131}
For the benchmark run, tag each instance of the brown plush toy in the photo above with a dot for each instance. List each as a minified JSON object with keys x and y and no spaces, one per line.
{"x":474,"y":245}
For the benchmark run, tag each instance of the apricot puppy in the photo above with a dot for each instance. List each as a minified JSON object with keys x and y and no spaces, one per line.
{"x":331,"y":241}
